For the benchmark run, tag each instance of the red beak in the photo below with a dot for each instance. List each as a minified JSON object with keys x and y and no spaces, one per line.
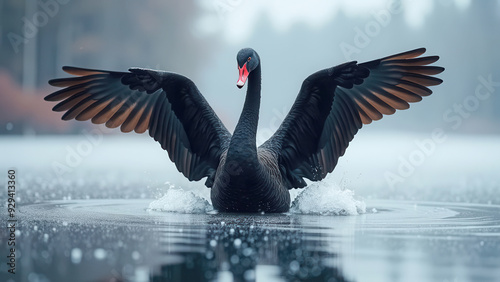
{"x":243,"y":76}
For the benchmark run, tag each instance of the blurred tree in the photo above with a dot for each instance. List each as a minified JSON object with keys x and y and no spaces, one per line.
{"x":39,"y":37}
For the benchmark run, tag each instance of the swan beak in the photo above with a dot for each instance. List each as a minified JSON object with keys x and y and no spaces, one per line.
{"x":243,"y":76}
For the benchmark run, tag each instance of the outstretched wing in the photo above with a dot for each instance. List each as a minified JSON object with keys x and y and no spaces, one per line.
{"x":169,"y":105}
{"x":334,"y":103}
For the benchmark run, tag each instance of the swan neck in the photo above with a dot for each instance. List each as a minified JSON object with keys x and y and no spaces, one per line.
{"x":243,"y":143}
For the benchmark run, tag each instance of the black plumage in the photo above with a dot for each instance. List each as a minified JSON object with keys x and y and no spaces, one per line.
{"x":332,"y":105}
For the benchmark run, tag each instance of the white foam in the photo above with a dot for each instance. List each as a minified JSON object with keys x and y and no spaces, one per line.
{"x":181,"y":201}
{"x":325,"y":198}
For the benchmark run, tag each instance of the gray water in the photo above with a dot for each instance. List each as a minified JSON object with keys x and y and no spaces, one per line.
{"x":102,"y":240}
{"x":94,"y":222}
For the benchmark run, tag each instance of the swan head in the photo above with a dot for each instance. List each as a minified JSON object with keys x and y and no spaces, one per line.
{"x":248,"y":60}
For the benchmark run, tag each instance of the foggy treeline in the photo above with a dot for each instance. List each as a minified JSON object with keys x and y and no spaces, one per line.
{"x":39,"y":37}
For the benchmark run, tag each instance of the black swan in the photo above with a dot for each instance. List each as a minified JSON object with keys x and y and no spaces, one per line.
{"x":330,"y":108}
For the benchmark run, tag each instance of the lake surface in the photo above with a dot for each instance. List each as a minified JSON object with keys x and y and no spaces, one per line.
{"x":102,"y":240}
{"x":104,"y":216}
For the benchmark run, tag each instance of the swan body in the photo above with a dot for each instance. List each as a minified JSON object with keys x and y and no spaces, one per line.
{"x":332,"y":105}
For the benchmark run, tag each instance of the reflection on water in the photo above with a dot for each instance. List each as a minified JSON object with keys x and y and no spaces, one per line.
{"x":119,"y":240}
{"x":238,"y":249}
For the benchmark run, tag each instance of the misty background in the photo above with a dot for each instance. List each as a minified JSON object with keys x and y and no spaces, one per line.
{"x":200,"y":39}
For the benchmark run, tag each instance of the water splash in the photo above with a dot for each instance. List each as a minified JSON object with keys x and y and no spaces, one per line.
{"x":325,"y":198}
{"x":180,"y":201}
{"x":321,"y":198}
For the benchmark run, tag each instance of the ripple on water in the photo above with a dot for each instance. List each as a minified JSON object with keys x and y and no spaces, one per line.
{"x":92,"y":233}
{"x":382,"y":215}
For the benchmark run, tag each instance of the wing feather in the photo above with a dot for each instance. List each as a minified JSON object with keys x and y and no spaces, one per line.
{"x":167,"y":104}
{"x":334,"y":103}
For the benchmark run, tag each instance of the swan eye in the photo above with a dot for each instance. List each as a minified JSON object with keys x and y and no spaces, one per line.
{"x":248,"y":60}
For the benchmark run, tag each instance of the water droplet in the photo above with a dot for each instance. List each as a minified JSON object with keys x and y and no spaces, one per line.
{"x":136,"y":255}
{"x":100,"y":254}
{"x":235,"y":259}
{"x":76,"y":255}
{"x":209,"y":255}
{"x":237,"y":242}
{"x":294,"y":266}
{"x":141,"y":274}
{"x":249,"y":275}
{"x":247,"y":252}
